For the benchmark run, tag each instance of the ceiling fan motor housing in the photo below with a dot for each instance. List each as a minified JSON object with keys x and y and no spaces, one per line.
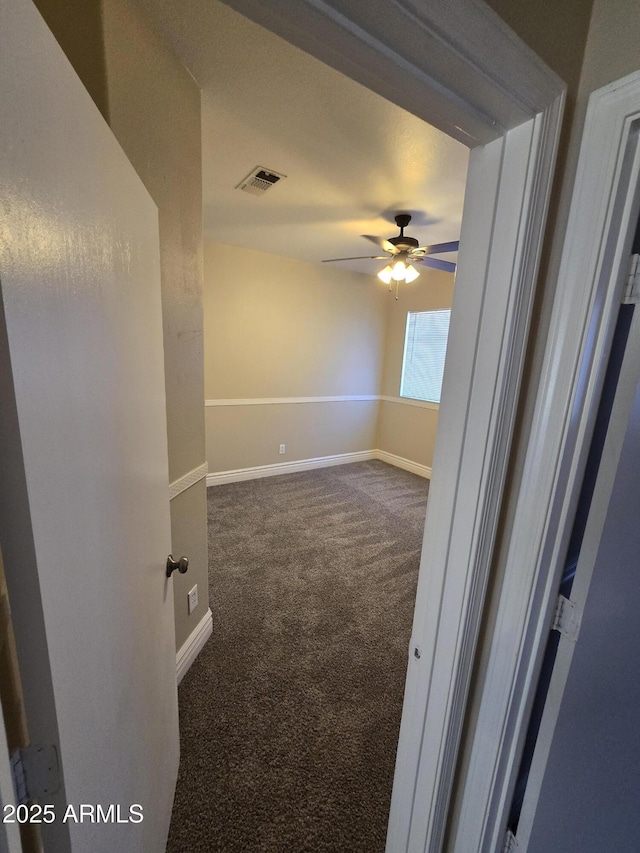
{"x":405,"y":244}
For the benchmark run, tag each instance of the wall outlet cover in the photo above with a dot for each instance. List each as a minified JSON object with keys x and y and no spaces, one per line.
{"x":192,"y":597}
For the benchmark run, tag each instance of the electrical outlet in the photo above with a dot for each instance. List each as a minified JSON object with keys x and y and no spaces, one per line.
{"x":192,"y":597}
{"x":282,"y":448}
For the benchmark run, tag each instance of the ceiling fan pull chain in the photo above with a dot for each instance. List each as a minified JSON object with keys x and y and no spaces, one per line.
{"x":397,"y":286}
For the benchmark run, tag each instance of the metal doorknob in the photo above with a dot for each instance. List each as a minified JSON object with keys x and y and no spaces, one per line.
{"x":181,"y":565}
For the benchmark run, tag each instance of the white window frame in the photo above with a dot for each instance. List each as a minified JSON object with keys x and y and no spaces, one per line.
{"x":408,"y":366}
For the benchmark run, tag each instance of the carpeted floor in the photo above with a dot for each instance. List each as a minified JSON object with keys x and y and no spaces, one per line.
{"x":290,"y":715}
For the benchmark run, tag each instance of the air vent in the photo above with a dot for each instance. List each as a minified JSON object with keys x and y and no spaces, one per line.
{"x":259,"y":180}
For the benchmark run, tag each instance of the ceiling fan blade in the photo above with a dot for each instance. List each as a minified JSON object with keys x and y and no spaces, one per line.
{"x":438,"y":248}
{"x":437,"y":264}
{"x":384,"y":244}
{"x":359,"y":258}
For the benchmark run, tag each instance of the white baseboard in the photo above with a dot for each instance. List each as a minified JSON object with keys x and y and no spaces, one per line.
{"x":401,"y":462}
{"x":217,"y":479}
{"x":220,"y":477}
{"x":192,"y":646}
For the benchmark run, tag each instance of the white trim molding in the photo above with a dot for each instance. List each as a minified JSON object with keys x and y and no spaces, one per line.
{"x":401,"y":462}
{"x":468,"y":75}
{"x":183,"y":483}
{"x":218,"y":478}
{"x":352,"y":398}
{"x":279,"y":401}
{"x":193,"y":645}
{"x":597,"y":247}
{"x":409,"y":401}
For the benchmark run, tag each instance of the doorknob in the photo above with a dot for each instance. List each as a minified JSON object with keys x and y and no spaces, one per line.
{"x":181,"y":565}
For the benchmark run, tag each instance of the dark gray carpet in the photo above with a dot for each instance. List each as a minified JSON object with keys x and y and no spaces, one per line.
{"x":290,"y":715}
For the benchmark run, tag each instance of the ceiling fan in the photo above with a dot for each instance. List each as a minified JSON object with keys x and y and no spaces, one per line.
{"x":403,"y":252}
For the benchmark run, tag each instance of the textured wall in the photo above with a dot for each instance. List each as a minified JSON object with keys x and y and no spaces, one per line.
{"x":557,"y":32}
{"x":77,"y":26}
{"x":279,"y":327}
{"x":613,"y":49}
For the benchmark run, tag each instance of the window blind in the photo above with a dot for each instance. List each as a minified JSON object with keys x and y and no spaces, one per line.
{"x":425,"y":347}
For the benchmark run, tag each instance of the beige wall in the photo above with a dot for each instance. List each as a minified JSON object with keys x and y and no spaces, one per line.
{"x":556,"y":31}
{"x":153,"y":107}
{"x":249,"y":436}
{"x":278,"y":327}
{"x":613,"y":46}
{"x":407,"y":431}
{"x":77,"y":26}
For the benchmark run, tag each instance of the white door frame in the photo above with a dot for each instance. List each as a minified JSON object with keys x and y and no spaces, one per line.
{"x":458,"y":66}
{"x":592,"y":273}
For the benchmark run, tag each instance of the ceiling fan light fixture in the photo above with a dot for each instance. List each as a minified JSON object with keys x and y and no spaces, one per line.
{"x":411,"y":274}
{"x":399,"y":271}
{"x":386,"y":274}
{"x":402,"y":252}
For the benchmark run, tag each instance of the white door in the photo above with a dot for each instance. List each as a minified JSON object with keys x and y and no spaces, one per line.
{"x":84,"y":505}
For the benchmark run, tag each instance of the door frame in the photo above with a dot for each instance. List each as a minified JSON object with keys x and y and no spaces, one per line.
{"x":463,"y":70}
{"x":592,"y":274}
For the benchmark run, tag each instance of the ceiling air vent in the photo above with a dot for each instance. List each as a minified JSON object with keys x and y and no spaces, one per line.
{"x":259,"y":180}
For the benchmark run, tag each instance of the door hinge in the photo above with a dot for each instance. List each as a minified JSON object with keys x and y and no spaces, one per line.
{"x":36,"y":772}
{"x":566,"y":618}
{"x":510,"y":843}
{"x":632,"y":287}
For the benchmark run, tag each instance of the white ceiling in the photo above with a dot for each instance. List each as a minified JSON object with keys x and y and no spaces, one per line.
{"x":352,"y":159}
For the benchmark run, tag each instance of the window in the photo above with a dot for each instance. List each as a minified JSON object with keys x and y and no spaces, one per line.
{"x":425,"y":346}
